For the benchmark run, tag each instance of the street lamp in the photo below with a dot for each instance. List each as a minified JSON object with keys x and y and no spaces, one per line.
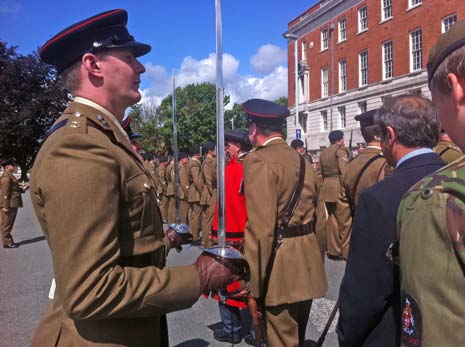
{"x":296,"y":75}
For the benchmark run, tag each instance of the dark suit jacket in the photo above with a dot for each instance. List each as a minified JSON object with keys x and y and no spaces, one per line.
{"x":369,"y":294}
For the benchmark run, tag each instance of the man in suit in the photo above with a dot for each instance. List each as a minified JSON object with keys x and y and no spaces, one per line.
{"x":96,"y":204}
{"x":334,"y":219}
{"x":10,"y":201}
{"x":208,"y":197}
{"x":195,"y":188}
{"x":369,"y":295}
{"x":286,"y":267}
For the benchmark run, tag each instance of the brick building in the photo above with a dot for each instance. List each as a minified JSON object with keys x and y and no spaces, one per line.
{"x":354,"y":53}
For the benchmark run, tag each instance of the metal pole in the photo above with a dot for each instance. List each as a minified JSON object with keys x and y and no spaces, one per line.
{"x":331,"y":29}
{"x":175,"y":152}
{"x":220,"y":127}
{"x":296,"y":73}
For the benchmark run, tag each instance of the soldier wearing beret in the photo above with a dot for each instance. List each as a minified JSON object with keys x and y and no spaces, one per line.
{"x":431,"y":216}
{"x":334,"y":225}
{"x":287,"y":271}
{"x":448,"y":150}
{"x":96,"y":204}
{"x":10,"y":201}
{"x":208,"y":197}
{"x":195,"y":188}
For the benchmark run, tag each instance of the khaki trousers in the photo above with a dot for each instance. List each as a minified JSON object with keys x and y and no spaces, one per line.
{"x":338,"y":227}
{"x":286,"y":324}
{"x":195,"y":219}
{"x":208,"y":212}
{"x":183,"y":211}
{"x":171,"y":210}
{"x":164,"y":207}
{"x":8,"y":220}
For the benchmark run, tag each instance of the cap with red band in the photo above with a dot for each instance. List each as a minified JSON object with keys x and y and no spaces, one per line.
{"x":104,"y":30}
{"x":265,"y":110}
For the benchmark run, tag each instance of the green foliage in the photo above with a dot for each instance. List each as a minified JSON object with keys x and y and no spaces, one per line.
{"x":32,"y":97}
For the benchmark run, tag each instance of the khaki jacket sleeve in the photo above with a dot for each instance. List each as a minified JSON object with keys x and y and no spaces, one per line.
{"x":197,"y":177}
{"x":184,"y":181}
{"x":261,"y":202}
{"x":342,"y":160}
{"x":5,"y":189}
{"x":84,"y":237}
{"x":209,"y":176}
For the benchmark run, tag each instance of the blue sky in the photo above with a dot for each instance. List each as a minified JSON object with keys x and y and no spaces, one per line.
{"x":182,"y":35}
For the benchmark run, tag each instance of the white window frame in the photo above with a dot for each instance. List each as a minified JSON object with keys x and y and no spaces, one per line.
{"x":304,"y":50}
{"x":416,"y":50}
{"x":447,"y":22}
{"x":324,"y":120}
{"x":342,"y":75}
{"x":324,"y":39}
{"x":324,"y":82}
{"x":342,"y":30}
{"x":386,"y":9}
{"x":362,"y":106}
{"x":388,"y":60}
{"x":363,"y":68}
{"x":414,"y":3}
{"x":362,"y":19}
{"x":342,"y":117}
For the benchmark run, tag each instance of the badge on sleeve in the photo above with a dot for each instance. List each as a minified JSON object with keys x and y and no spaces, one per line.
{"x":411,"y":322}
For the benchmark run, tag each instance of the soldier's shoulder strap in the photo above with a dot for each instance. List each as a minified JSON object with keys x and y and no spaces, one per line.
{"x":452,"y":147}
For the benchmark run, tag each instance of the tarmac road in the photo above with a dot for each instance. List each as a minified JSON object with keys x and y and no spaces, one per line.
{"x":26,"y":274}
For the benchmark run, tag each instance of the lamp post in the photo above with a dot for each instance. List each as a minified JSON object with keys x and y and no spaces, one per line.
{"x":296,"y":76}
{"x":331,"y":32}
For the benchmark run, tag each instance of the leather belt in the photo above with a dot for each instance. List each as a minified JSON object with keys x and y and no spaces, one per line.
{"x":298,"y":230}
{"x":330,"y":174}
{"x":229,"y":234}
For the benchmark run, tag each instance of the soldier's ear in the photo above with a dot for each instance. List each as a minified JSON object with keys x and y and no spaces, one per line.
{"x":91,"y":63}
{"x":457,"y":86}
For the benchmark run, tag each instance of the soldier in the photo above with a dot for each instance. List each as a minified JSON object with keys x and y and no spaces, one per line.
{"x":195,"y":188}
{"x":298,"y":145}
{"x":10,"y":202}
{"x":431,"y":217}
{"x":96,"y":204}
{"x":161,"y":189}
{"x":183,"y":187}
{"x":334,"y":225}
{"x":368,"y":167}
{"x":170,"y":181}
{"x":448,"y":150}
{"x":208,"y":197}
{"x":280,"y":244}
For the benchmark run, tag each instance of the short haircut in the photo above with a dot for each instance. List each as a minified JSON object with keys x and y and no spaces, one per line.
{"x":268,"y":127}
{"x":370,"y":131}
{"x":71,"y":77}
{"x":453,"y":63}
{"x":413,"y":118}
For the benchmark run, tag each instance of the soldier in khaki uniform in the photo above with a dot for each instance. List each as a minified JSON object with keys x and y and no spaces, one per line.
{"x":334,"y":225}
{"x":183,"y":187}
{"x":369,"y":166}
{"x":171,"y":200}
{"x":195,"y":188}
{"x":96,"y":204}
{"x":10,"y":201}
{"x":446,"y":149}
{"x":431,"y":217}
{"x":296,"y":273}
{"x":161,"y":189}
{"x":208,"y":196}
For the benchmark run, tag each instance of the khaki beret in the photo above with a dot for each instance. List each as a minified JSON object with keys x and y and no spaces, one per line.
{"x":447,"y":42}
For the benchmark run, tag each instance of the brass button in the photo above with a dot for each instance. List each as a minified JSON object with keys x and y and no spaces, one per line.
{"x":426,"y":194}
{"x":146,"y":185}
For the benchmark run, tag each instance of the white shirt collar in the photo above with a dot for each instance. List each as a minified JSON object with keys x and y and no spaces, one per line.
{"x":271,"y":139}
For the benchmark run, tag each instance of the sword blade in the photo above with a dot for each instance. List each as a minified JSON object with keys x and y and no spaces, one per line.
{"x":175,"y":152}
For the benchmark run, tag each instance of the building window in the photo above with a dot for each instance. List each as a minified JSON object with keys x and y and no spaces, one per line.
{"x":362,"y":19}
{"x":324,"y":82}
{"x":387,"y":60}
{"x":362,"y":107}
{"x":386,"y":9}
{"x":363,"y":63}
{"x":342,"y":31}
{"x":415,"y":50}
{"x":342,"y":76}
{"x":448,"y":21}
{"x":304,"y":50}
{"x":414,"y":3}
{"x":342,"y":116}
{"x":324,"y":39}
{"x":324,"y":120}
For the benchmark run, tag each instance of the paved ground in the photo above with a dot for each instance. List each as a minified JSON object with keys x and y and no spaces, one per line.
{"x":26,"y":273}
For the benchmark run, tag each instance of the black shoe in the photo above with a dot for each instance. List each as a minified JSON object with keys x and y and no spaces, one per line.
{"x":197,"y":242}
{"x":222,"y":336}
{"x":335,"y":257}
{"x":249,"y":339}
{"x":13,"y":245}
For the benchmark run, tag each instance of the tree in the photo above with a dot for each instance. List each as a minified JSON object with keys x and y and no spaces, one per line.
{"x":32,"y":98}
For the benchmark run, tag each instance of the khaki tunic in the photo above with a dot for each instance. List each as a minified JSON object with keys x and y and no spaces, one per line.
{"x":171,"y":216}
{"x":193,"y":197}
{"x":183,"y":192}
{"x":297,"y":275}
{"x":161,"y":191}
{"x":97,"y":208}
{"x":10,"y":198}
{"x":448,"y":151}
{"x":208,"y":197}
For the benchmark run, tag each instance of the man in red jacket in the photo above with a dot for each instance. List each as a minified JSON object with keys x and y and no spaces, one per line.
{"x":236,"y":147}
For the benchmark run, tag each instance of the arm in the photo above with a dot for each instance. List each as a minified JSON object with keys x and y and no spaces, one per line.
{"x":82,"y":222}
{"x":5,"y":189}
{"x":208,"y":174}
{"x":197,"y":177}
{"x":261,"y":218}
{"x":368,"y":286}
{"x":342,"y":160}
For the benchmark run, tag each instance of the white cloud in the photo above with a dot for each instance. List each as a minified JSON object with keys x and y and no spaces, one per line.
{"x":268,"y":58}
{"x":240,"y":87}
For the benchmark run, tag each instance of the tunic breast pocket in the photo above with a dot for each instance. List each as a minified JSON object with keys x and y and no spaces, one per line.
{"x":142,"y":215}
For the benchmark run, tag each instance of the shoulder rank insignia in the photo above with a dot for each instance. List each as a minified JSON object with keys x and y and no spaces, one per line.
{"x":103,"y":121}
{"x":75,"y":124}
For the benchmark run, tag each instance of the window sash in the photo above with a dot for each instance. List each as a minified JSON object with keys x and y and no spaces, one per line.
{"x":364,"y":68}
{"x":324,"y":39}
{"x":324,"y":82}
{"x":342,"y":30}
{"x":342,"y":76}
{"x":387,"y":60}
{"x":324,"y":120}
{"x":387,"y":9}
{"x":342,"y":116}
{"x":362,"y":19}
{"x":416,"y":45}
{"x":448,"y":22}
